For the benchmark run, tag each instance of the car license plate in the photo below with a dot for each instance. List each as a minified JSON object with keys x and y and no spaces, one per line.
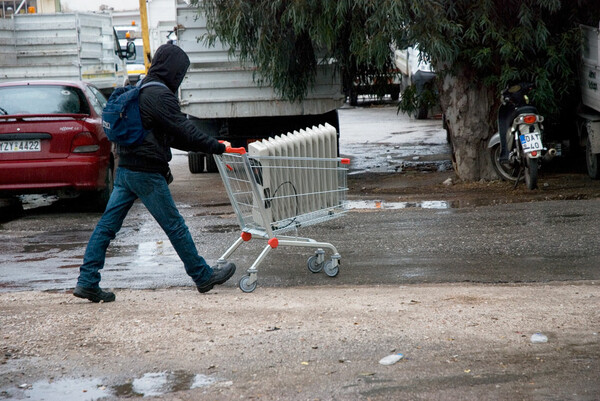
{"x":531,"y":142}
{"x":29,"y":145}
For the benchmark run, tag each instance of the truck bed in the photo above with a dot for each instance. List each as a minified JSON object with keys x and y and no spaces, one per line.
{"x":76,"y":46}
{"x":216,"y":86}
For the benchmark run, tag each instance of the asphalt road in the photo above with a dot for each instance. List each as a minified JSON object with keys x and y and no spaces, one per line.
{"x":526,"y":242}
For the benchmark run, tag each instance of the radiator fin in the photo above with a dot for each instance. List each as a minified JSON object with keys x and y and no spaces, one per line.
{"x":298,"y":176}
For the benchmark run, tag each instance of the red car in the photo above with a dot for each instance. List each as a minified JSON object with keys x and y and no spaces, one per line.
{"x":52,"y":142}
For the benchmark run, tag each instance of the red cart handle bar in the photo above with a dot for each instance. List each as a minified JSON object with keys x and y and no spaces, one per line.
{"x":229,"y":149}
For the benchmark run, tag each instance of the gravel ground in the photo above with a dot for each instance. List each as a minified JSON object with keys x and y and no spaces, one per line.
{"x":459,"y":341}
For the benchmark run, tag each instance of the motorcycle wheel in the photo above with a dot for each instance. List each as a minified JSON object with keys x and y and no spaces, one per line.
{"x":505,"y":173}
{"x":531,"y":173}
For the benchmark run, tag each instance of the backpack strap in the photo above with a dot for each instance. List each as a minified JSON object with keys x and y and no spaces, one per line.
{"x":152,"y":83}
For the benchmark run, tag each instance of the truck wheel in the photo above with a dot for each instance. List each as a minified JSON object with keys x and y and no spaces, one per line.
{"x":422,"y":113}
{"x":353,"y":97}
{"x":211,"y":164}
{"x":592,"y":161}
{"x":196,"y":162}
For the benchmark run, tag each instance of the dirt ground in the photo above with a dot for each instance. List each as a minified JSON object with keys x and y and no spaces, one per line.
{"x":419,"y":185}
{"x":459,"y":341}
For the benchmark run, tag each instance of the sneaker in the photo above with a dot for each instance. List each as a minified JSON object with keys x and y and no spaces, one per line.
{"x":219,"y":276}
{"x":94,"y":294}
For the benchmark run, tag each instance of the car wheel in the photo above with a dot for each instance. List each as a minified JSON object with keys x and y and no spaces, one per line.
{"x":10,"y":208}
{"x":97,"y":201}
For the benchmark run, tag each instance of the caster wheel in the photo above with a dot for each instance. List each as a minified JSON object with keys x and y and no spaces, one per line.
{"x":313,"y":265}
{"x":330,"y":270}
{"x":244,"y":286}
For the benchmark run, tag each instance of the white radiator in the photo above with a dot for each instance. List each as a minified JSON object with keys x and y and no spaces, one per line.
{"x":297,"y":175}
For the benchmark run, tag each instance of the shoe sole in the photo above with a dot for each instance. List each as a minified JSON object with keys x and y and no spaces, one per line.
{"x":205,"y":289}
{"x":92,"y":298}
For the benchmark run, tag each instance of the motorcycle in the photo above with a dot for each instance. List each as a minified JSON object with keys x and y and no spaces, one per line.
{"x":524,"y":132}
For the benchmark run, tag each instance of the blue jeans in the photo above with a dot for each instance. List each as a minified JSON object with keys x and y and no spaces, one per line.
{"x":153,"y":191}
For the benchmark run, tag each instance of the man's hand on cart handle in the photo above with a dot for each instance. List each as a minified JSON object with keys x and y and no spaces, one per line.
{"x":229,"y":149}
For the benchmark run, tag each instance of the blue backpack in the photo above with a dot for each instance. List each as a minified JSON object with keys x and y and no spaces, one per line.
{"x":121,"y":117}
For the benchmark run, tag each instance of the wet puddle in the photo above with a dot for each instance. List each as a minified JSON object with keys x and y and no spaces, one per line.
{"x":369,"y":157}
{"x":222,"y":228}
{"x":59,"y":390}
{"x":160,"y":383}
{"x":35,"y":201}
{"x":149,"y":385}
{"x":378,"y":204}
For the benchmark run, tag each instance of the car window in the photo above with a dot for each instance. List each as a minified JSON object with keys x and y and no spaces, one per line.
{"x":97,"y":99}
{"x":42,"y":99}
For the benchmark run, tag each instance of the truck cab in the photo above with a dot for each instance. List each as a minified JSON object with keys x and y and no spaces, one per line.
{"x":135,"y":65}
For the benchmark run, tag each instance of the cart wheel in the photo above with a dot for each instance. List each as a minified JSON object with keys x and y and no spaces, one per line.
{"x":313,"y":265}
{"x":244,"y":286}
{"x":331,"y":270}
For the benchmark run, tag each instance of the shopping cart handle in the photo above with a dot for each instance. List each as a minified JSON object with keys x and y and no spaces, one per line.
{"x":240,"y":151}
{"x":229,"y":149}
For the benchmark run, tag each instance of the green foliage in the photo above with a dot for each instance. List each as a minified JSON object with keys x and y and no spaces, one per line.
{"x":416,"y":103}
{"x":495,"y":42}
{"x":287,"y":39}
{"x":502,"y":41}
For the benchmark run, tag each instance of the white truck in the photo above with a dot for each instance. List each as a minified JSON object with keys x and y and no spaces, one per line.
{"x":136,"y":68}
{"x":222,"y":98}
{"x":415,"y":71}
{"x":78,"y":46}
{"x":588,"y":122}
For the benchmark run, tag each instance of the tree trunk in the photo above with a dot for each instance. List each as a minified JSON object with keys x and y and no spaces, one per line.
{"x":470,"y":114}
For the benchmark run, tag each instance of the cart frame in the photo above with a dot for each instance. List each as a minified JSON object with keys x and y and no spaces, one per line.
{"x":256,"y":209}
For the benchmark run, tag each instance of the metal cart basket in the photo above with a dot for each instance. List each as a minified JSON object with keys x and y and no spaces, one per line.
{"x":274,"y":193}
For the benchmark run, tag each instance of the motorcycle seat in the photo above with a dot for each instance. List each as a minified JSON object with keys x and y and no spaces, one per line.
{"x":526,"y":110}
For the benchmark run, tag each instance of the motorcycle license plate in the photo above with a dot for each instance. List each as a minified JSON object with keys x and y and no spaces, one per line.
{"x":531,"y":142}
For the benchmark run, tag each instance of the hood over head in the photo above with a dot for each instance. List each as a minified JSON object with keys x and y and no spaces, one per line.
{"x":169,"y":65}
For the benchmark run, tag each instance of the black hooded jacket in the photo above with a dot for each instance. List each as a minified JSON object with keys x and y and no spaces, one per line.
{"x":161,"y":114}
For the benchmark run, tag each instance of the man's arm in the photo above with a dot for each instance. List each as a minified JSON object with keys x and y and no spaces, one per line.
{"x":182,"y":133}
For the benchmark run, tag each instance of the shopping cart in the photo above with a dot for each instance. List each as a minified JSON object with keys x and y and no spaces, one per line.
{"x":272,"y":195}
